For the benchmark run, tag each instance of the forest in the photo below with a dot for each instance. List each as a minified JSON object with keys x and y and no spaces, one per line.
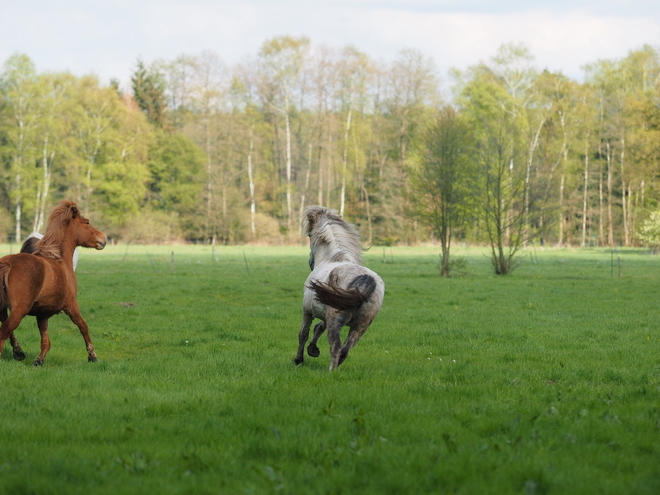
{"x":502,"y":153}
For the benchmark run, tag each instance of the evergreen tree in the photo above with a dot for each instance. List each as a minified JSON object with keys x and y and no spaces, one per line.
{"x":149,"y":94}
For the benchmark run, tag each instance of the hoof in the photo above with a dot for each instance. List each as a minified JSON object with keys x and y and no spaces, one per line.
{"x":38,"y":363}
{"x":19,"y":355}
{"x":313,"y":350}
{"x":298,"y":362}
{"x":92,"y":359}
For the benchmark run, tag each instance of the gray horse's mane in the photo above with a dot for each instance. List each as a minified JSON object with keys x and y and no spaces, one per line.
{"x":324,"y":225}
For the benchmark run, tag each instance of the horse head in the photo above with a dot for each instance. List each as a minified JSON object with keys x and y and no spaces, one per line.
{"x":83,"y":232}
{"x":311,"y":218}
{"x":310,"y":221}
{"x":331,"y":238}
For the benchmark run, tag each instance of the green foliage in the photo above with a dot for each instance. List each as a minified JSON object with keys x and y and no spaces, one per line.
{"x":574,"y":163}
{"x":176,"y":166}
{"x":121,"y":185}
{"x":442,"y":181}
{"x":649,"y":233}
{"x":152,"y":227}
{"x":478,"y":384}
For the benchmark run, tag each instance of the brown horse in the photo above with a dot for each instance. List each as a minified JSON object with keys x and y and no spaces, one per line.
{"x":44,"y":283}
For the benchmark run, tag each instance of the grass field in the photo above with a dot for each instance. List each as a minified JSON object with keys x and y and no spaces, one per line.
{"x":546,"y":381}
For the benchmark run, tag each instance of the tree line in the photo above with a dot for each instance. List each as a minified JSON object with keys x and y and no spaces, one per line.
{"x":196,"y":150}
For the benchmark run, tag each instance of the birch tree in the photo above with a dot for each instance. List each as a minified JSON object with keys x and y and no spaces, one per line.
{"x":281,"y":61}
{"x":54,"y":140}
{"x":24,"y":111}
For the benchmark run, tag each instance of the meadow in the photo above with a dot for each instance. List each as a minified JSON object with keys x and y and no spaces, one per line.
{"x":545,"y":381}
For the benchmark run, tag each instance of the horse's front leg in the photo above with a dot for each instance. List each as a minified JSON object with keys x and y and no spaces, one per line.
{"x":77,"y":319}
{"x":42,"y":323}
{"x":302,"y":336}
{"x":312,"y":348}
{"x":19,"y":354}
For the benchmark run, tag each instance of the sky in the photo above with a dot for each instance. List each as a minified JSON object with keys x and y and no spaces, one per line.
{"x":107,"y":37}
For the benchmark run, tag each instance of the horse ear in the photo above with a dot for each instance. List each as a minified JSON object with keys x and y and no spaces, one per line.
{"x":74,"y":211}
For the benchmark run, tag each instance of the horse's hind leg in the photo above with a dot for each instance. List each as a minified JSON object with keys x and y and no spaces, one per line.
{"x":354,"y":335}
{"x":10,"y":324}
{"x":312,"y":348}
{"x":351,"y":339}
{"x":302,"y":337}
{"x":335,"y":322}
{"x":19,"y":354}
{"x":42,"y":323}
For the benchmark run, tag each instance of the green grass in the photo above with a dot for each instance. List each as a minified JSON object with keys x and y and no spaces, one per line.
{"x":546,"y":381}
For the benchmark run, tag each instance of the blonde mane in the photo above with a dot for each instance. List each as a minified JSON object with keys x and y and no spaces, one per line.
{"x":326,"y":226}
{"x":50,"y":246}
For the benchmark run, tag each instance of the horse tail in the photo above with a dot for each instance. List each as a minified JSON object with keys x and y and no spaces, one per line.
{"x":359,"y":291}
{"x":5,"y":268}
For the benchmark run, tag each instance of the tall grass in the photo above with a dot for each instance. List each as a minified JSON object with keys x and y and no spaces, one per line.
{"x":546,"y":381}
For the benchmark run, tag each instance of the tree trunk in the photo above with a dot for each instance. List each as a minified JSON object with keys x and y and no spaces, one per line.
{"x":585,"y":197}
{"x":47,"y":169}
{"x":209,"y":179}
{"x":289,"y":199}
{"x":528,"y":172}
{"x":17,"y":216}
{"x":369,"y":231}
{"x":253,"y":207}
{"x":344,"y":169}
{"x":560,"y":239}
{"x":610,"y":226}
{"x":625,"y":199}
{"x":601,"y":229}
{"x":307,"y":174}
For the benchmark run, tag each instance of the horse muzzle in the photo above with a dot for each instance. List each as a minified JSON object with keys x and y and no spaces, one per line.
{"x":100,"y":243}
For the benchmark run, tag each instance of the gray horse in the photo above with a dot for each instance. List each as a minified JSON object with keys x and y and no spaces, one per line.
{"x":339,"y":291}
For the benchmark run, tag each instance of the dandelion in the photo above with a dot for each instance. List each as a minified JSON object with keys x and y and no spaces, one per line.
{"x":454,"y":360}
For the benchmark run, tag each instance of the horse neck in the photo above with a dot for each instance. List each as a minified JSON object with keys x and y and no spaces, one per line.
{"x":321,"y":253}
{"x":333,"y":253}
{"x":68,"y":247}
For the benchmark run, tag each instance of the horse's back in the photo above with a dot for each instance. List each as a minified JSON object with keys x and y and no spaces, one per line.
{"x":345,"y":275}
{"x":34,"y":281}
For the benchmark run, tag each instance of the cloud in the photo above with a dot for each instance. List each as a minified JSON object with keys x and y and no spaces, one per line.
{"x":559,"y":41}
{"x":107,"y":37}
